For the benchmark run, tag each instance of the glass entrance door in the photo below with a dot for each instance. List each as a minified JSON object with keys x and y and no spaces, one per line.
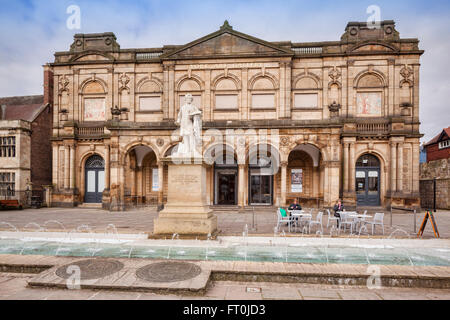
{"x":261,"y":189}
{"x":226,"y":188}
{"x":94,"y":179}
{"x":368,"y":187}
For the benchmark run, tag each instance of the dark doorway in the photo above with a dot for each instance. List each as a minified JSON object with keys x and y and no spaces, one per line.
{"x":368,"y":181}
{"x":94,"y":179}
{"x":226,"y":185}
{"x":260,"y":189}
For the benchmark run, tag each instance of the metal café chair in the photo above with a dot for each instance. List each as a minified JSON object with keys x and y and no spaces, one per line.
{"x":318,"y":222}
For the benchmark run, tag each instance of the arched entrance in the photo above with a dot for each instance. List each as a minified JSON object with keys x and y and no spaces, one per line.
{"x":368,"y":181}
{"x":94,"y":169}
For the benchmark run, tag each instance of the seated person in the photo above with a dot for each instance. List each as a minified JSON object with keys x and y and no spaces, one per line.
{"x":295,"y":206}
{"x":338,"y":207}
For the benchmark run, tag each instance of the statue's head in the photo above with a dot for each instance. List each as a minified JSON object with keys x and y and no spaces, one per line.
{"x":188,"y":98}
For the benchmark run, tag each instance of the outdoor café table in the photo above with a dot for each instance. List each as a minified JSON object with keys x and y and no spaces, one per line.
{"x":299,"y":214}
{"x":359,"y":217}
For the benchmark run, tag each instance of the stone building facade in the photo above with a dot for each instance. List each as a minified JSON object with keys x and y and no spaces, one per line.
{"x":335,"y":119}
{"x":25,"y":133}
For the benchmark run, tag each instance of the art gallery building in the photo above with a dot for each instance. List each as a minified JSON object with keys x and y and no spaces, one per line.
{"x":337,"y":119}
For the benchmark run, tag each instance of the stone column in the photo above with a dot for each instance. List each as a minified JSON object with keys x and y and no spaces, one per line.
{"x":172,"y":95}
{"x":352,"y":168}
{"x":244,"y":113}
{"x":56,"y":165}
{"x":346,"y":168}
{"x":400,"y":168}
{"x":107,"y":167}
{"x":139,"y":183}
{"x":72,"y":167}
{"x":241,"y":186}
{"x":166,"y":92}
{"x":284,"y":165}
{"x":66,"y":166}
{"x":160,"y":183}
{"x":393,"y":167}
{"x":415,"y":167}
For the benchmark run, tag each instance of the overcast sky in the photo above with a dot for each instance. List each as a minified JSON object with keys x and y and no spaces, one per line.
{"x":32,"y":30}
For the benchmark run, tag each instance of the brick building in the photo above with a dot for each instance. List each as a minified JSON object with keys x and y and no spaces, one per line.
{"x":342,"y":118}
{"x":25,"y":146}
{"x":439,"y":147}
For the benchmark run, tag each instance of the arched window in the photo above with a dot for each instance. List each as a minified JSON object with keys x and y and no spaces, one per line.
{"x":94,"y":102}
{"x":226,"y":95}
{"x":189,"y":85}
{"x":149,"y":97}
{"x":306,"y":93}
{"x":370,"y":96}
{"x":263,"y":94}
{"x":368,"y":160}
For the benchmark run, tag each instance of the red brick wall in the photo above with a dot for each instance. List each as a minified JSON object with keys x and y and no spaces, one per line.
{"x":41,"y":148}
{"x":434,"y":153}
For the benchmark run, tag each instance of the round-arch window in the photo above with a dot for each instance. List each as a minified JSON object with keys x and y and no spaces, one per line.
{"x":95,"y":162}
{"x":368,"y":160}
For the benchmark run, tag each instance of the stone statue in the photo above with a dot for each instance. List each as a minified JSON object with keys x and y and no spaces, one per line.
{"x":190,"y":122}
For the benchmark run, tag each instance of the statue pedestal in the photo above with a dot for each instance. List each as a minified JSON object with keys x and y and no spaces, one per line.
{"x":186,"y":211}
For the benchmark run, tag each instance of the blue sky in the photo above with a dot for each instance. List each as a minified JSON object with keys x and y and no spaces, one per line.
{"x":32,"y":30}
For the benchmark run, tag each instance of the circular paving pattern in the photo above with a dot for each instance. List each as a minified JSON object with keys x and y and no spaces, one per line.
{"x":90,"y":269}
{"x":168,"y":272}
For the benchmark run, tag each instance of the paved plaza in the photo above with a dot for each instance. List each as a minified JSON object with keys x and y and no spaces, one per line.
{"x":261,"y":222}
{"x":13,"y":286}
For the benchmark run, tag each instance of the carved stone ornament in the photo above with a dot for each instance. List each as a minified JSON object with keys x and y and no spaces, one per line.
{"x":334,"y":74}
{"x":63,"y":84}
{"x":334,"y":107}
{"x":123,"y":82}
{"x":406,"y":72}
{"x":285,"y":141}
{"x":160,"y":142}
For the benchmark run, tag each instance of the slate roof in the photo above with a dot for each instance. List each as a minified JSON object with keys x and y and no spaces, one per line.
{"x":21,"y":108}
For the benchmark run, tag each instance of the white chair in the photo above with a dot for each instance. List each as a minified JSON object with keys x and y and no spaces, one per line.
{"x":305,"y":220}
{"x":318,"y":221}
{"x":282,"y":220}
{"x":345,"y":221}
{"x":377,"y":221}
{"x":331,"y":218}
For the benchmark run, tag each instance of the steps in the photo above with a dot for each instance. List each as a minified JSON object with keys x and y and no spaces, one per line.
{"x":90,"y":206}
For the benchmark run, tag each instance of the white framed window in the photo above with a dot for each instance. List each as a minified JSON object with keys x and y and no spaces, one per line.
{"x":444,"y":144}
{"x":306,"y":100}
{"x":150,"y":103}
{"x":263,"y":101}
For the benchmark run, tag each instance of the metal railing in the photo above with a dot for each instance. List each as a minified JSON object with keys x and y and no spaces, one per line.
{"x":148,"y":55}
{"x":25,"y":198}
{"x":408,"y":210}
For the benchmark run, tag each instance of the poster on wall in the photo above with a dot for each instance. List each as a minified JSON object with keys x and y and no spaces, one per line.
{"x":297,"y":180}
{"x":369,"y":103}
{"x":94,"y":109}
{"x":155,"y":180}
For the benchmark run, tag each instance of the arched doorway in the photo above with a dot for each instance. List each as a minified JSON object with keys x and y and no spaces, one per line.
{"x":368,"y":181}
{"x":95,"y":179}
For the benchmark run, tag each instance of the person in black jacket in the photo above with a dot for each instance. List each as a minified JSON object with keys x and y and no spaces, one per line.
{"x":338,"y":207}
{"x":295,"y":206}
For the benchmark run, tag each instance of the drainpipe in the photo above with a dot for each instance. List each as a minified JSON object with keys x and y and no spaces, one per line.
{"x":3,"y":111}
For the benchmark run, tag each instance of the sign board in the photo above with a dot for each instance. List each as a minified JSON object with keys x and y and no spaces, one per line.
{"x":155,"y":180}
{"x":297,"y":180}
{"x":429,"y":215}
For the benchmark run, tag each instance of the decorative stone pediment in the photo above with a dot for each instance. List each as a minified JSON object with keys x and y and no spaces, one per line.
{"x":227,"y":42}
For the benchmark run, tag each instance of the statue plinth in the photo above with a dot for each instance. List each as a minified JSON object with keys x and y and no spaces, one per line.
{"x":186,"y":211}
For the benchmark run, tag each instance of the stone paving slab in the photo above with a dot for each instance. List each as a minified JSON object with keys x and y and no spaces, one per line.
{"x":124,"y":279}
{"x":230,"y":222}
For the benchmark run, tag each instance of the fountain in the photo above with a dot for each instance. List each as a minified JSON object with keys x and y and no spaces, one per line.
{"x":10,"y":225}
{"x":33,"y":224}
{"x":53,"y":221}
{"x":208,"y":239}
{"x":174,"y":236}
